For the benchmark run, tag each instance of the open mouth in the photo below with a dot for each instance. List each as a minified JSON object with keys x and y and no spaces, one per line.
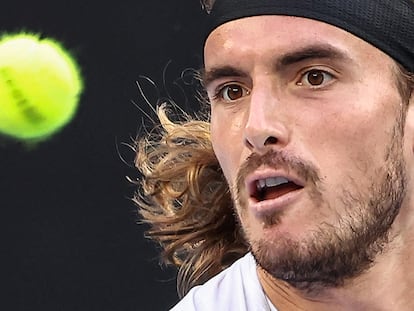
{"x":272,"y":188}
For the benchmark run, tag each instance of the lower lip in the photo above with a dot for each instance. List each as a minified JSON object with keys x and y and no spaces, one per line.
{"x":269,"y":207}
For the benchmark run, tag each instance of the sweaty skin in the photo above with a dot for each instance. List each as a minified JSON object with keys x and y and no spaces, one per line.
{"x":315,"y":93}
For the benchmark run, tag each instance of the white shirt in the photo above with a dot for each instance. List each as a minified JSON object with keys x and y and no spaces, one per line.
{"x":236,"y":288}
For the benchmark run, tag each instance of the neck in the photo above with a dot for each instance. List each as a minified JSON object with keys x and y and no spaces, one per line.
{"x":387,"y":285}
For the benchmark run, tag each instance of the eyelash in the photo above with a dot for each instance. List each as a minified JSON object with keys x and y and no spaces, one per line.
{"x":306,"y":73}
{"x":218,"y":93}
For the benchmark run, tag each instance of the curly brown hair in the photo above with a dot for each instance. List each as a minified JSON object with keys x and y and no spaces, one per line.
{"x":184,"y":197}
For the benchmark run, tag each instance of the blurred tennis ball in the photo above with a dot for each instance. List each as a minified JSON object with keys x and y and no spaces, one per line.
{"x":40,"y":86}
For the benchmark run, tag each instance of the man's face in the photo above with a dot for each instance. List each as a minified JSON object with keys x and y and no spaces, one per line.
{"x":308,"y":127}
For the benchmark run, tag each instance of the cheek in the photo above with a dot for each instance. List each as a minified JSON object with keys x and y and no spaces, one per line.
{"x":362,"y":150}
{"x":356,"y":148}
{"x":227,"y":141}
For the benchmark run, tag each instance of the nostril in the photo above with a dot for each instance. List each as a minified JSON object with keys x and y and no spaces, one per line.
{"x":271,"y":140}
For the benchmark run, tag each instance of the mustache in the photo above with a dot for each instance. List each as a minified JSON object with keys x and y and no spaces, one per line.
{"x":278,"y":159}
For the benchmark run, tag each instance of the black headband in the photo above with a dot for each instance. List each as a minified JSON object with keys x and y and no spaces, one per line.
{"x":386,"y":24}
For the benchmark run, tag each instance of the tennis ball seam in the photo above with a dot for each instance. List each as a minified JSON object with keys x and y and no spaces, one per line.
{"x":30,"y":113}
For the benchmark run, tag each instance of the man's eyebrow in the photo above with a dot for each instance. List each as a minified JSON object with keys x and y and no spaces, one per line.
{"x":318,"y":51}
{"x":215,"y":73}
{"x":324,"y":51}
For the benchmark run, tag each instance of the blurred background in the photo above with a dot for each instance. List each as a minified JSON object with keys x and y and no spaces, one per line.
{"x":69,"y":233}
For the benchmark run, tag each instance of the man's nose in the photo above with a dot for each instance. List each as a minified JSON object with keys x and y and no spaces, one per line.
{"x":266,"y":126}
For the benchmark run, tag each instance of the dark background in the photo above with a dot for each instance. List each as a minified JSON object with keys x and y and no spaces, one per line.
{"x":68,"y":227}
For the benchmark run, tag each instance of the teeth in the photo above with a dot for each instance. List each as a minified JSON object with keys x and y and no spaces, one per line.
{"x":271,"y":182}
{"x":276,"y":181}
{"x":261,"y":184}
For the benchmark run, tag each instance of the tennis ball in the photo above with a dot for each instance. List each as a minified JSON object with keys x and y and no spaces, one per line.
{"x":40,"y":86}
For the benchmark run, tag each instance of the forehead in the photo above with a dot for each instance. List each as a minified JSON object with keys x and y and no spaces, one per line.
{"x":273,"y":34}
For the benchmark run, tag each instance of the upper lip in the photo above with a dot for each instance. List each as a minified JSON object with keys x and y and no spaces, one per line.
{"x":269,"y":177}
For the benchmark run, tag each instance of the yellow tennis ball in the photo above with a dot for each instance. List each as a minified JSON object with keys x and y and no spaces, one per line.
{"x":40,"y":86}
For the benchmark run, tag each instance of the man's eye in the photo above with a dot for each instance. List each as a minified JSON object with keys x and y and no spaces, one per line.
{"x":232,"y":92}
{"x":315,"y":77}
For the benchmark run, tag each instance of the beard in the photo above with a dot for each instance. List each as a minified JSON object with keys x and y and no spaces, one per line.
{"x":332,"y":253}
